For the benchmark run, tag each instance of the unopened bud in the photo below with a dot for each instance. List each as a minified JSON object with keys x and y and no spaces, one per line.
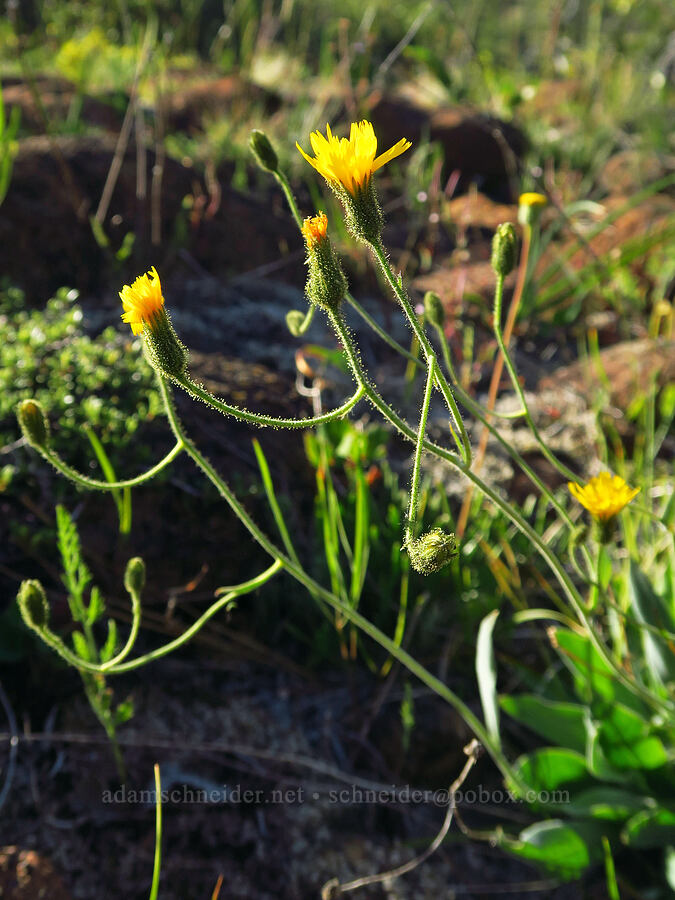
{"x":134,"y":575}
{"x":165,"y":350}
{"x":294,"y":321}
{"x":326,"y":282}
{"x":433,"y":309}
{"x":33,"y":604}
{"x":34,"y":424}
{"x":530,"y":206}
{"x":263,"y":151}
{"x":504,"y":245}
{"x":432,"y":551}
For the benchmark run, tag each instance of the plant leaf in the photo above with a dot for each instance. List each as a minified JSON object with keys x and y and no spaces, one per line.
{"x":486,"y":673}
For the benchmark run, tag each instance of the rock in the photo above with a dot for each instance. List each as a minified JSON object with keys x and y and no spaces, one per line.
{"x":187,"y":107}
{"x":630,"y":170}
{"x":549,"y":101}
{"x":27,"y":875}
{"x":651,"y":221}
{"x":478,"y":211}
{"x":626,"y":370}
{"x":57,"y":101}
{"x":474,"y":144}
{"x":462,"y":278}
{"x":56,"y":186}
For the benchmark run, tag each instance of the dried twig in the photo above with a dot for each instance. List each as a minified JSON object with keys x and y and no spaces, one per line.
{"x":333,"y":889}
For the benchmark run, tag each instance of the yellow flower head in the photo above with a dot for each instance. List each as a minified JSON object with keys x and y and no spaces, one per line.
{"x":350,"y":162}
{"x":314,"y":229}
{"x":142,"y":300}
{"x":604,"y":496}
{"x":530,"y":198}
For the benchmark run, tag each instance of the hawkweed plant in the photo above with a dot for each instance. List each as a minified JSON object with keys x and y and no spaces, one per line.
{"x":349,"y":166}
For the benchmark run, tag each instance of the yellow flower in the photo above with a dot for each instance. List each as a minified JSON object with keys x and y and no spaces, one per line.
{"x":350,"y":162}
{"x":604,"y":496}
{"x":314,"y":229}
{"x":142,"y":300}
{"x":530,"y":198}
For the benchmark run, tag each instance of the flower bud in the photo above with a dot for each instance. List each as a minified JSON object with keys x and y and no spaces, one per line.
{"x":433,"y":309}
{"x":263,"y":151}
{"x":326,"y":282}
{"x":33,"y":604}
{"x":504,"y":245}
{"x":134,"y":575}
{"x":431,"y":551}
{"x":295,"y":319}
{"x":530,"y":206}
{"x":165,"y":350}
{"x":34,"y":424}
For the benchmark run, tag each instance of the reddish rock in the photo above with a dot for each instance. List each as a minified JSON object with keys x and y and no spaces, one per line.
{"x":50,"y":103}
{"x":26,"y":875}
{"x":631,"y":170}
{"x":476,"y":210}
{"x":188,"y":106}
{"x":654,"y":217}
{"x":57,"y":185}
{"x":456,"y":281}
{"x":473,"y":143}
{"x":629,"y":368}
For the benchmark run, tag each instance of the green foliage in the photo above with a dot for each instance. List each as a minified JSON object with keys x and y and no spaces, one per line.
{"x":81,"y":382}
{"x":8,"y":145}
{"x":608,"y":771}
{"x":360,"y":513}
{"x":86,"y":615}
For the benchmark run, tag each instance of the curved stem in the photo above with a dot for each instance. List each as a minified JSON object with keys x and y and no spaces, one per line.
{"x":464,"y":445}
{"x":262,"y":420}
{"x":421,"y":431}
{"x":94,"y":484}
{"x":477,"y":410}
{"x":575,"y":599}
{"x":133,"y":634}
{"x":290,"y":197}
{"x":55,"y":642}
{"x":344,"y":609}
{"x":380,"y":332}
{"x":502,"y":340}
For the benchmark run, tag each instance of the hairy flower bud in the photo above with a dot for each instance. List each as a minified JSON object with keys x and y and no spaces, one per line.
{"x":295,"y":319}
{"x":33,"y":604}
{"x":134,"y":575}
{"x":433,"y":309}
{"x":530,"y":206}
{"x":263,"y":151}
{"x":33,"y":423}
{"x":431,"y":551}
{"x":326,"y":282}
{"x":504,"y":245}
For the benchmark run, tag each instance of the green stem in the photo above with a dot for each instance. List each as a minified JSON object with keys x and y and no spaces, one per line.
{"x":290,"y":197}
{"x":575,"y":599}
{"x":550,"y":456}
{"x":464,"y":446}
{"x":343,"y":608}
{"x":93,"y":483}
{"x":381,"y":333}
{"x":262,"y":420}
{"x":133,"y":634}
{"x":477,"y":410}
{"x":421,"y":431}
